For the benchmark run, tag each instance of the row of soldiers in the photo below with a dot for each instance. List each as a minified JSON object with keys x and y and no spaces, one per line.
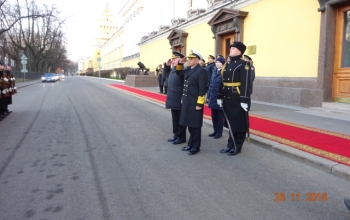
{"x":187,"y":87}
{"x":7,"y":88}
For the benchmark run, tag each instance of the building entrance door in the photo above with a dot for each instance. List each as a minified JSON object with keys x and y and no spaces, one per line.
{"x":179,"y":49}
{"x":341,"y":76}
{"x":226,"y":41}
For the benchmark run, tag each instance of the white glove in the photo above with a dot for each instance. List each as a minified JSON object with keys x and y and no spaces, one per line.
{"x":244,"y":106}
{"x":219,"y":101}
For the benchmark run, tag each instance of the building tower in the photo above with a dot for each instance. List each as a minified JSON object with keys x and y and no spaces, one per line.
{"x":106,"y":26}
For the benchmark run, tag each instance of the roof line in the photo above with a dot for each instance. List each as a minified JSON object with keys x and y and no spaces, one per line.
{"x":124,"y":6}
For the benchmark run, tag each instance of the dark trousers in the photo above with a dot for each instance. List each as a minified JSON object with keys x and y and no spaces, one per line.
{"x":195,"y":138}
{"x":3,"y":105}
{"x":249,"y":102}
{"x":237,"y":140}
{"x":165,"y":89}
{"x":160,"y":86}
{"x":179,"y":131}
{"x":217,"y":117}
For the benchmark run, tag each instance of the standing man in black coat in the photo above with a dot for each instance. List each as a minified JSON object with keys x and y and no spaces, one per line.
{"x":193,"y":99}
{"x":235,"y":98}
{"x":173,"y":99}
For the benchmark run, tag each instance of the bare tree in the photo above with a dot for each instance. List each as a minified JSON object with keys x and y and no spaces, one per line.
{"x":7,"y":20}
{"x":39,"y":37}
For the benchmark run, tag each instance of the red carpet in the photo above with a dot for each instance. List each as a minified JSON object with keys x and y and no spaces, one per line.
{"x":323,"y":143}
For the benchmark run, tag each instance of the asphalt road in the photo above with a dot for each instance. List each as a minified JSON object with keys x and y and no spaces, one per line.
{"x":77,"y":149}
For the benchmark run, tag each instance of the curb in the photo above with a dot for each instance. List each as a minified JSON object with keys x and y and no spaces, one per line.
{"x":317,"y":162}
{"x":326,"y":165}
{"x":29,"y":84}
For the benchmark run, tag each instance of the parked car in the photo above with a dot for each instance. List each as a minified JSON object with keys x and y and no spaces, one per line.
{"x":49,"y":77}
{"x":62,"y":76}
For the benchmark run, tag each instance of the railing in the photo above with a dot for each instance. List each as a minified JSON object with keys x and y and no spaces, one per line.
{"x":119,"y":73}
{"x":21,"y":77}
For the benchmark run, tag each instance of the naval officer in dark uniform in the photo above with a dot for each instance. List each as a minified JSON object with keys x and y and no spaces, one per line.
{"x":193,"y":99}
{"x":173,"y":99}
{"x":235,"y":98}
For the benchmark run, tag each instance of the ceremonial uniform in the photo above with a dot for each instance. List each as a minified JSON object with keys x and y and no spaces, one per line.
{"x":235,"y":81}
{"x":1,"y":100}
{"x":251,"y":79}
{"x":4,"y":95}
{"x":166,"y":72}
{"x":9,"y":89}
{"x":173,"y":102}
{"x":193,"y":95}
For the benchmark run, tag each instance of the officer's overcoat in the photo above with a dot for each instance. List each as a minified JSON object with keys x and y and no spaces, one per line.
{"x":194,"y":90}
{"x":237,"y":71}
{"x":175,"y":88}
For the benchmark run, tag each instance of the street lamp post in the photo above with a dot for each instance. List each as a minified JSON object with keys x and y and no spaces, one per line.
{"x":99,"y":66}
{"x":24,"y":66}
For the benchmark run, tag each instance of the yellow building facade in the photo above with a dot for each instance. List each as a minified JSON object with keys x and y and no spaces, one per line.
{"x":286,"y":40}
{"x":299,"y":47}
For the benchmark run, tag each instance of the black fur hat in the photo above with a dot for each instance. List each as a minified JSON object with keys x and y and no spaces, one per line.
{"x":239,"y":45}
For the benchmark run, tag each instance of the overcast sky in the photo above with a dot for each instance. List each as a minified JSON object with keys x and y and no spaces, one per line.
{"x":82,"y":16}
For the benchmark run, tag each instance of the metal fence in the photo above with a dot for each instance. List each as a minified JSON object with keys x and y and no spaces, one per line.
{"x":22,"y":77}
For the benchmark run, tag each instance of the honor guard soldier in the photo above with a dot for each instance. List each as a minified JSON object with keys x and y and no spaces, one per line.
{"x":235,"y":98}
{"x":193,"y":99}
{"x":173,"y":99}
{"x":13,"y":80}
{"x":9,"y":87}
{"x":4,"y":93}
{"x":2,"y":115}
{"x":252,"y":77}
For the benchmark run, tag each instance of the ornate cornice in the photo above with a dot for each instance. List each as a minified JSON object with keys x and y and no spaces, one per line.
{"x":322,"y":7}
{"x":131,"y":56}
{"x":177,"y":21}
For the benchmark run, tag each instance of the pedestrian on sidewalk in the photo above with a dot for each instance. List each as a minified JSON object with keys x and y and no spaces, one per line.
{"x":159,"y":71}
{"x":251,"y":79}
{"x":173,"y":99}
{"x":235,"y":98}
{"x":217,"y":116}
{"x":192,"y":99}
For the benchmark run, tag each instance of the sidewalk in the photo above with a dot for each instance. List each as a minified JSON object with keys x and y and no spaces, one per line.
{"x":295,"y":115}
{"x":26,"y":83}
